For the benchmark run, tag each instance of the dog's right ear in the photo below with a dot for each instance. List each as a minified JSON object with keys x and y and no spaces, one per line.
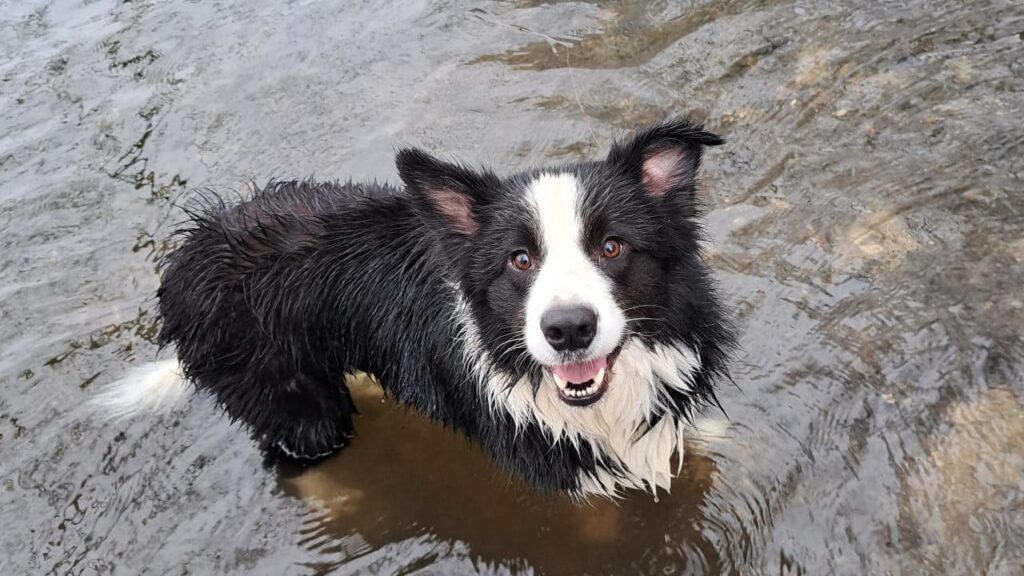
{"x":447,"y":195}
{"x":665,"y":157}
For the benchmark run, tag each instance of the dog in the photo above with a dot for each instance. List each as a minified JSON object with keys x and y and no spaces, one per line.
{"x":563,"y":318}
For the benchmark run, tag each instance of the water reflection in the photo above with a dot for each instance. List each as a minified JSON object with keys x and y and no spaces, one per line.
{"x":405,"y":478}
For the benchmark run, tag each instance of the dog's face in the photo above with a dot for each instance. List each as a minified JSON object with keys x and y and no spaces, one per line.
{"x":565,"y":268}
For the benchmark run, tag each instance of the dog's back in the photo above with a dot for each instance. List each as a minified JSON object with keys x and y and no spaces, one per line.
{"x":269,"y":304}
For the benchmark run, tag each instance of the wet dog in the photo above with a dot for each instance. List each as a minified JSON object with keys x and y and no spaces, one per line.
{"x":563,"y":318}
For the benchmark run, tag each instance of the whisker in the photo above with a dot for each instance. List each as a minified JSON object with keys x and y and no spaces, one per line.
{"x":638,"y":306}
{"x":631,"y":332}
{"x":628,"y":320}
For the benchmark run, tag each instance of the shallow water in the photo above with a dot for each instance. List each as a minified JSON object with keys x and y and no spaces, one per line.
{"x":866,"y":223}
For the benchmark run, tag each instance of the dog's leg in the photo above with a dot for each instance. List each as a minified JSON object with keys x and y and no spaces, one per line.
{"x":295,"y":414}
{"x":312,"y":419}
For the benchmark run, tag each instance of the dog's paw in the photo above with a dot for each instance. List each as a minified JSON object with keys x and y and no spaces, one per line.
{"x":278,"y":452}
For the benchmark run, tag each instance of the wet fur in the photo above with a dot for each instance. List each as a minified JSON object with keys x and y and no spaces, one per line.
{"x":271,"y":301}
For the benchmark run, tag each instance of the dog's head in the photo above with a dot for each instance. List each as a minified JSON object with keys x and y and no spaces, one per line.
{"x":582,"y":283}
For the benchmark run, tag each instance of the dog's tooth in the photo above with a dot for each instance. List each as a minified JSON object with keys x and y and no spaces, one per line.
{"x":599,"y":378}
{"x":558,"y":380}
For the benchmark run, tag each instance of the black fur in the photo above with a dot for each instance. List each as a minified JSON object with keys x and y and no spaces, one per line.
{"x":270,"y":302}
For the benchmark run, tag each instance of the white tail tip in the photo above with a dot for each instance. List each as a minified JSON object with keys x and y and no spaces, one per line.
{"x":154,"y":388}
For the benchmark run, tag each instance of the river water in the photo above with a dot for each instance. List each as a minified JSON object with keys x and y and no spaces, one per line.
{"x":866,"y":223}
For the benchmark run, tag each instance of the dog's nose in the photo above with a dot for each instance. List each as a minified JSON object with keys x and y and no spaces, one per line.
{"x":568,"y":328}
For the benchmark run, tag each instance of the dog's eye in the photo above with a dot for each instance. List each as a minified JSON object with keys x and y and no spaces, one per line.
{"x":521,"y":260}
{"x":612,"y":248}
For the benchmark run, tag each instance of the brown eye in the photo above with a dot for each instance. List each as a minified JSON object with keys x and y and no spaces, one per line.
{"x":612,"y":248}
{"x":521,"y":260}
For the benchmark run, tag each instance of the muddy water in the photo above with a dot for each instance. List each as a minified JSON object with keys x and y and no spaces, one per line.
{"x":866,"y":221}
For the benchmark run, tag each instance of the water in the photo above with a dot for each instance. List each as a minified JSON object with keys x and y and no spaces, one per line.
{"x":867,"y":226}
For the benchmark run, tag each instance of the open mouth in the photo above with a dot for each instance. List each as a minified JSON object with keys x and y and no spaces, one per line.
{"x":583,"y":383}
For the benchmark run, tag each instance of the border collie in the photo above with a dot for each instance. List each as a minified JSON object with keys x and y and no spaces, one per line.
{"x":563,"y":318}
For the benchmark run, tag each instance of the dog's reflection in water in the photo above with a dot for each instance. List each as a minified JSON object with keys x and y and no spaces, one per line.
{"x":406,"y":476}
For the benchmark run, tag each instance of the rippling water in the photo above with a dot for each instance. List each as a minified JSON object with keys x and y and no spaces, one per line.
{"x":866,"y":220}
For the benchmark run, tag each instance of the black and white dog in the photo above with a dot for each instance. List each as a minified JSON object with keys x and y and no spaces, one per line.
{"x":563,"y":318}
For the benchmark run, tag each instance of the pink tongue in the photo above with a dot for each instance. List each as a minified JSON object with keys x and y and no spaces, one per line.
{"x":580,"y":372}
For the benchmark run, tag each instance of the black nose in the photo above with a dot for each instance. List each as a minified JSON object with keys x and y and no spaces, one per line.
{"x":569,"y":328}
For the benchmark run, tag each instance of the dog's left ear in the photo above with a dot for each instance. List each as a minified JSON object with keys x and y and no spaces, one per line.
{"x":447,"y":195}
{"x":665,"y":157}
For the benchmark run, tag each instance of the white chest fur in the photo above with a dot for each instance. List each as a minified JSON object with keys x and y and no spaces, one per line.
{"x":617,"y":425}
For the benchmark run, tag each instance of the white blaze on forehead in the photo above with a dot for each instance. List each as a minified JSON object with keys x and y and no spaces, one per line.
{"x":556,"y":197}
{"x":567,"y":275}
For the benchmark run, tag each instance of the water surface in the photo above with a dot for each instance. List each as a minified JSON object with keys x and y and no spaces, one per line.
{"x":866,"y":223}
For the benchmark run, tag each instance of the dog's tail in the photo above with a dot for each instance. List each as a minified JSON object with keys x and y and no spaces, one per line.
{"x":154,"y":388}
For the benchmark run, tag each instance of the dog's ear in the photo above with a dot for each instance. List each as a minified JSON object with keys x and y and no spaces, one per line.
{"x":447,"y":195}
{"x":664,"y":157}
